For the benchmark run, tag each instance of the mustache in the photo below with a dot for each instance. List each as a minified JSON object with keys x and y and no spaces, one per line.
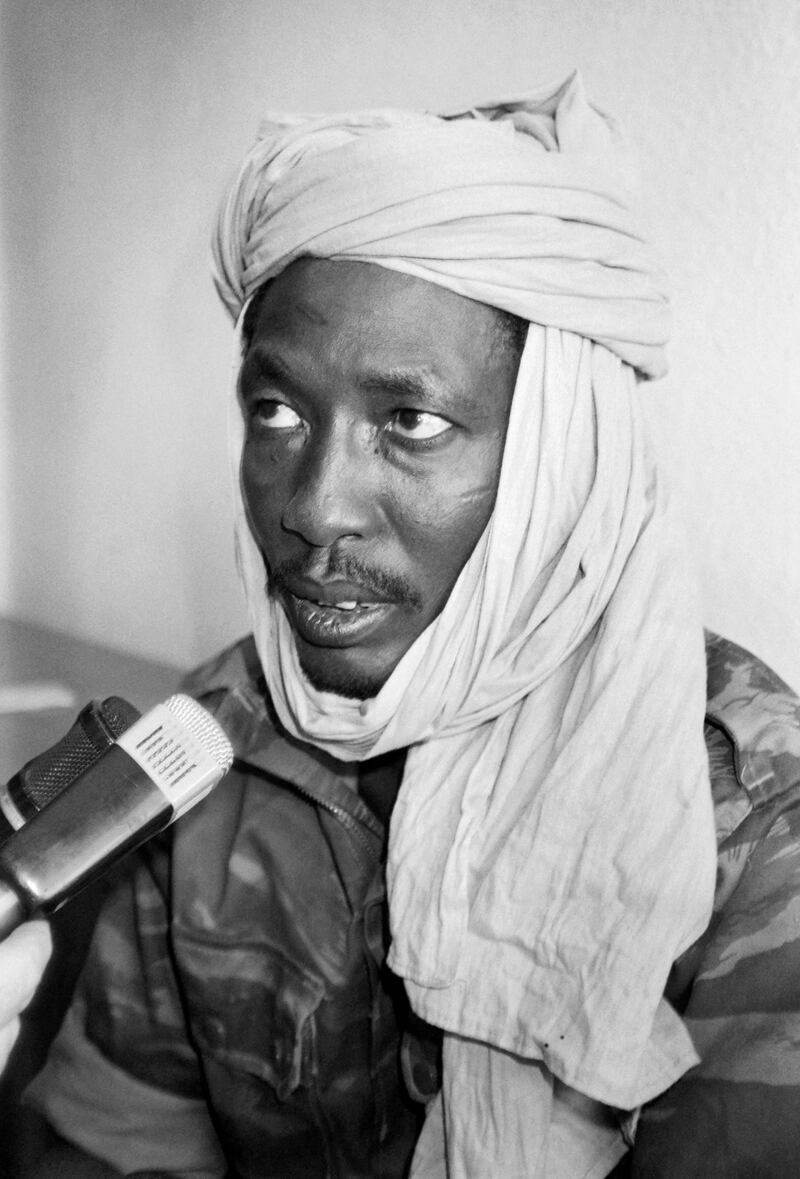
{"x":345,"y":568}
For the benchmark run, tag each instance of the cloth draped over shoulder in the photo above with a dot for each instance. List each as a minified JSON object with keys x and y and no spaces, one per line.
{"x":552,"y":848}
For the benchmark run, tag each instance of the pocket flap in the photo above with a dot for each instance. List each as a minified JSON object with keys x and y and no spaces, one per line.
{"x":251,"y":1009}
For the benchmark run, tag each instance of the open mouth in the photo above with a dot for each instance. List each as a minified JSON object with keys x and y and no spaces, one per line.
{"x":334,"y":624}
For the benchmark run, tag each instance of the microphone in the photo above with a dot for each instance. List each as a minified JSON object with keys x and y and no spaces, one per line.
{"x":154,"y":771}
{"x":42,"y":778}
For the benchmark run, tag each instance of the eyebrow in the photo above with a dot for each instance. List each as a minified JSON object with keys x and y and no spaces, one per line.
{"x":417,"y":383}
{"x":267,"y":364}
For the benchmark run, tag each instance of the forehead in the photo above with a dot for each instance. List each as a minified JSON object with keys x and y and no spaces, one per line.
{"x":361,"y":316}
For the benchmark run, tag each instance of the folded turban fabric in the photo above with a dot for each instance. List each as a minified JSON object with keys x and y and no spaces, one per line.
{"x":552,"y":848}
{"x":529,"y":206}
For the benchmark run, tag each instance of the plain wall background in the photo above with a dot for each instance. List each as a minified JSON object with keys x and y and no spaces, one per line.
{"x":121,"y":122}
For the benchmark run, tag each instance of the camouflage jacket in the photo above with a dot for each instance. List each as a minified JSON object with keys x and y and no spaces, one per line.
{"x":737,"y":1114}
{"x":235,"y":1016}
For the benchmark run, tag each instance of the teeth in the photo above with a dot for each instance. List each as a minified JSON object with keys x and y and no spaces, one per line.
{"x":340,"y":605}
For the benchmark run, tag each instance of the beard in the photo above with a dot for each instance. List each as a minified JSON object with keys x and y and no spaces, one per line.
{"x":344,"y":681}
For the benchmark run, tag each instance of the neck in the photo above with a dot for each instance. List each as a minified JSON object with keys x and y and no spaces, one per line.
{"x":379,"y":780}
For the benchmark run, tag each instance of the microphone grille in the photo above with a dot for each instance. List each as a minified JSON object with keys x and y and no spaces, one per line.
{"x":201,"y":724}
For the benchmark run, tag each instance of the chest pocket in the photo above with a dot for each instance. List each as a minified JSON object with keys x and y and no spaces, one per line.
{"x":251,"y":1010}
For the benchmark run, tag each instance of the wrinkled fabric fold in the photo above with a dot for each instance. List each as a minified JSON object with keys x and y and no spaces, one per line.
{"x":531,"y":207}
{"x":500,"y":1115}
{"x":554,"y":709}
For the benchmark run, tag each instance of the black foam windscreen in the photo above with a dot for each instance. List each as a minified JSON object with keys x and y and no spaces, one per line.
{"x":44,"y":777}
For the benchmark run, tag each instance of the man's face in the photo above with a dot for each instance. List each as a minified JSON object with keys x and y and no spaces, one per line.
{"x":376,"y":406}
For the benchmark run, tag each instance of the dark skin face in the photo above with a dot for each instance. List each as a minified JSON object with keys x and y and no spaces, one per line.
{"x":376,"y":406}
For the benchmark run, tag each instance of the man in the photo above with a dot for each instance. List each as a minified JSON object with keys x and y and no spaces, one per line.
{"x":470,"y":617}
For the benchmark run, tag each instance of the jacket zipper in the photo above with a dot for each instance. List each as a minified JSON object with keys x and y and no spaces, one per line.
{"x":369,"y":857}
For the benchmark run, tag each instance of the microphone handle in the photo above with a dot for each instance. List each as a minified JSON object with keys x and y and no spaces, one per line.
{"x":79,"y":835}
{"x":40,"y":780}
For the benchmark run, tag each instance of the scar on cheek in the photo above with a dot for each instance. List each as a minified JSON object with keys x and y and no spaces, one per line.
{"x":478,"y":495}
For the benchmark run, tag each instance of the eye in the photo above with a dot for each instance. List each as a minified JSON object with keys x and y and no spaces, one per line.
{"x":273,"y":415}
{"x":417,"y":425}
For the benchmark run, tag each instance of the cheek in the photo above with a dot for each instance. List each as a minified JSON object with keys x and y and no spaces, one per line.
{"x":264,"y":486}
{"x":467,"y":496}
{"x":444,"y":531}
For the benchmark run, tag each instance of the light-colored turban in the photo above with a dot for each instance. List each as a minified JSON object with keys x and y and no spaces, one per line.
{"x":529,"y":206}
{"x":551,"y":850}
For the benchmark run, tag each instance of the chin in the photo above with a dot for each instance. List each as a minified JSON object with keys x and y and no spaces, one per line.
{"x":353,"y":683}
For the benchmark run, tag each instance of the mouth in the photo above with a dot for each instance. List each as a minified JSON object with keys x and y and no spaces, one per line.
{"x":338,"y":615}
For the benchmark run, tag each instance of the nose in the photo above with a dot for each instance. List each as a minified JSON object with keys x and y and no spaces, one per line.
{"x":335,"y":493}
